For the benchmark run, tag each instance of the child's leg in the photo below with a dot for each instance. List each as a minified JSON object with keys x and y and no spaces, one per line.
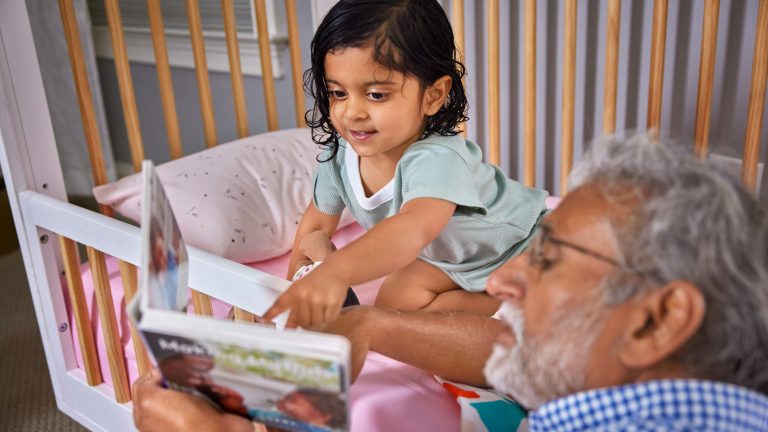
{"x":423,"y":286}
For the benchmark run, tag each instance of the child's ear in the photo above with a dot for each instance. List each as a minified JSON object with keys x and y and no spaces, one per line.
{"x":436,"y":93}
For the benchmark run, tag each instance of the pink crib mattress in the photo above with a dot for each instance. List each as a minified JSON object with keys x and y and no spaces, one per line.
{"x":388,"y":395}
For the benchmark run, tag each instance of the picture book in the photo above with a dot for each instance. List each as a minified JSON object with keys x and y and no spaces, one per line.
{"x":286,"y":379}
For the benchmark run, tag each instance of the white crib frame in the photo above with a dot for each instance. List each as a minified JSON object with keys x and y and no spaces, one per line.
{"x":35,"y":184}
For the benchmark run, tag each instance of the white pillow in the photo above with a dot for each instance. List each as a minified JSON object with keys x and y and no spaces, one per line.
{"x":241,"y":200}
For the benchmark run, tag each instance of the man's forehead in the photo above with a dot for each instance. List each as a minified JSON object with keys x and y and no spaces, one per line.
{"x":583,"y":212}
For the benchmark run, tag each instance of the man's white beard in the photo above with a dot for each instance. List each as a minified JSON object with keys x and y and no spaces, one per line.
{"x":547,"y":366}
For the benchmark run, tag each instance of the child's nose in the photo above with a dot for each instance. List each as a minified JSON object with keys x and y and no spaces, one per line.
{"x":354,"y":109}
{"x":509,"y":282}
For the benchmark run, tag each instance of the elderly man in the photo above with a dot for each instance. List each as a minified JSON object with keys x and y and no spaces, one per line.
{"x":642,"y":304}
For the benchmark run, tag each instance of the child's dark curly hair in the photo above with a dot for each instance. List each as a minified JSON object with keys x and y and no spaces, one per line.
{"x":413,"y":37}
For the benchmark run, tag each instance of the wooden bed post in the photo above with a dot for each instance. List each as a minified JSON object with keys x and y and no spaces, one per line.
{"x":569,"y":87}
{"x":494,"y":106}
{"x":201,"y":70}
{"x":756,"y":99}
{"x":706,"y":76}
{"x":529,"y":90}
{"x":612,"y":33}
{"x":656,"y":78}
{"x":164,"y":78}
{"x":265,"y":55}
{"x":235,"y":72}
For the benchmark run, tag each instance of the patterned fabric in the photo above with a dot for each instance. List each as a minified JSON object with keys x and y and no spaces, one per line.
{"x":484,"y":410}
{"x":669,"y":405}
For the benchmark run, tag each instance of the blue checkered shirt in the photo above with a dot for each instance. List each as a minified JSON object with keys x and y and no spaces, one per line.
{"x":669,"y":405}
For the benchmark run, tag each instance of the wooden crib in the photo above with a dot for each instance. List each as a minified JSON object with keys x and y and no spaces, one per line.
{"x":50,"y":229}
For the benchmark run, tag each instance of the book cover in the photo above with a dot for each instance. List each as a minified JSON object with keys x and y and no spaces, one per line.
{"x":285,"y":379}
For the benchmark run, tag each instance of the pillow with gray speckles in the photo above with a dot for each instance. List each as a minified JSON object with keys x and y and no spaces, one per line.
{"x":241,"y":200}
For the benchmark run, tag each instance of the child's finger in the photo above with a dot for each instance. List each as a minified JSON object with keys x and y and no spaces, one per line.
{"x":281,"y":304}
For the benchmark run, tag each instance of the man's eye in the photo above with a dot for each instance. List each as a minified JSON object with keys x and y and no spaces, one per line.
{"x":544,"y":263}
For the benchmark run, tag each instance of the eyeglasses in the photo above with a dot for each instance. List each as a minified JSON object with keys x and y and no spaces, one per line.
{"x":537,"y":257}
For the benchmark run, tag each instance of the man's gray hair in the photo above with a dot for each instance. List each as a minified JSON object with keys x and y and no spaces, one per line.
{"x":689,"y":222}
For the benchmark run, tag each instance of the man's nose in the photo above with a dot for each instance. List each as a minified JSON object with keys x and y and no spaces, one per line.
{"x":509,"y":281}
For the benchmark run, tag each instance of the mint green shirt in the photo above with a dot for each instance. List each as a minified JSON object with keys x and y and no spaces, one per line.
{"x":494,"y":216}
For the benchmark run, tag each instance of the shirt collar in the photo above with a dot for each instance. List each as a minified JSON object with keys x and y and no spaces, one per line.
{"x":692,"y":404}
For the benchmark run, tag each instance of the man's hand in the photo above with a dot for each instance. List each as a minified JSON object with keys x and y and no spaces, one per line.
{"x":314,"y":300}
{"x":357,"y":325}
{"x":158,"y":409}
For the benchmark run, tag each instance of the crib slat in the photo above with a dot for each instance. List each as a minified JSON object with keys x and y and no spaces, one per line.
{"x":125,"y":83}
{"x":109,"y":328}
{"x":297,"y":70}
{"x":656,"y":78}
{"x":569,"y":87}
{"x":493,"y":83}
{"x":84,"y":95}
{"x":201,"y":70}
{"x":164,"y":78}
{"x":706,"y":75}
{"x":80,"y":310}
{"x":613,"y":31}
{"x":235,"y":71}
{"x":265,"y":55}
{"x":243,"y":315}
{"x":756,"y":99}
{"x":529,"y":93}
{"x":128,"y":277}
{"x":457,"y":22}
{"x":202,"y":303}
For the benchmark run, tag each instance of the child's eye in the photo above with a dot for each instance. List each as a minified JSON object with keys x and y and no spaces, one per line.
{"x":337,"y":94}
{"x":376,"y":96}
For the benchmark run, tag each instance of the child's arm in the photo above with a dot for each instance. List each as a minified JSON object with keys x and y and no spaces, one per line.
{"x":312,"y":220}
{"x":389,"y":246}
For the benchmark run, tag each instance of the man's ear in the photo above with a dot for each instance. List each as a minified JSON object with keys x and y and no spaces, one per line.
{"x":662,"y":322}
{"x":436,"y":93}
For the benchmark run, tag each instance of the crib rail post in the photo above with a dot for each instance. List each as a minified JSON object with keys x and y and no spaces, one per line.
{"x":201,"y":70}
{"x":494,"y":131}
{"x":296,"y":68}
{"x":656,"y":78}
{"x":706,"y":76}
{"x":164,"y":78}
{"x":569,"y":89}
{"x":235,"y":71}
{"x":529,"y":94}
{"x":612,"y":33}
{"x":756,"y":99}
{"x":265,"y":55}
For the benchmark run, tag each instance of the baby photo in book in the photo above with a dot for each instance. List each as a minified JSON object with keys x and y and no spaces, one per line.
{"x":285,"y":379}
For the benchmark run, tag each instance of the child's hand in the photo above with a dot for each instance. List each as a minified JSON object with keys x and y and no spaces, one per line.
{"x":314,"y":300}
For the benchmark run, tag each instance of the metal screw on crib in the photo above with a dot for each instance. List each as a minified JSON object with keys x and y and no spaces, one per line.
{"x":63,"y":327}
{"x":44,"y":238}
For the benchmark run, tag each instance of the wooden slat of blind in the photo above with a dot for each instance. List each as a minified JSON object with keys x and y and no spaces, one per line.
{"x":164,"y":78}
{"x":297,"y":69}
{"x":656,"y":78}
{"x":265,"y":56}
{"x":80,"y":310}
{"x":756,"y":99}
{"x":201,"y":70}
{"x":128,"y":277}
{"x":613,"y":31}
{"x":125,"y":83}
{"x":84,"y":96}
{"x":235,"y":71}
{"x":706,"y":75}
{"x":457,"y":22}
{"x":494,"y":133}
{"x":115,"y":353}
{"x":569,"y":87}
{"x":529,"y":128}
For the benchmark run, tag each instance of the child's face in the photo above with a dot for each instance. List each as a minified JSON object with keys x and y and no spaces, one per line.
{"x":380,"y":112}
{"x":299,"y":407}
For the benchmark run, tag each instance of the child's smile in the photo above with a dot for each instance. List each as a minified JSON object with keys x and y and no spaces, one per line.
{"x":378,"y":111}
